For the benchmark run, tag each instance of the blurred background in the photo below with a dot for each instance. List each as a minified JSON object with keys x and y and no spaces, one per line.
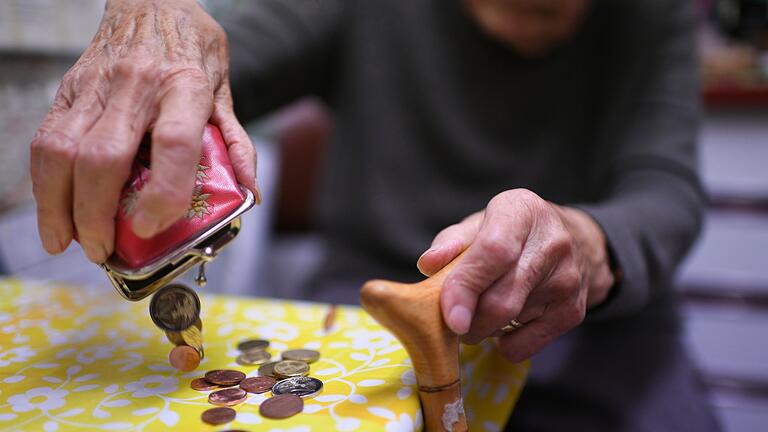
{"x":723,"y":284}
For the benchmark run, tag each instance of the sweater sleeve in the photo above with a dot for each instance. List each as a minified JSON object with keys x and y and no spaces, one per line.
{"x":650,"y":200}
{"x":280,"y":50}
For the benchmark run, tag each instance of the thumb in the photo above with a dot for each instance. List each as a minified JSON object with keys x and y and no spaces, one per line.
{"x":448,"y":244}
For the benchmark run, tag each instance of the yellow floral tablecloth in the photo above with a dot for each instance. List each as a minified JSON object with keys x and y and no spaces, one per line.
{"x":77,"y":358}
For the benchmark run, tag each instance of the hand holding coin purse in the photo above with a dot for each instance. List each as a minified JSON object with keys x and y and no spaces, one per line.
{"x":140,"y":266}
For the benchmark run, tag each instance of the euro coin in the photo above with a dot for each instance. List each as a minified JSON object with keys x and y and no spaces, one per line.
{"x":260,"y":384}
{"x":224,"y":377}
{"x":253,"y":345}
{"x":174,"y":307}
{"x":302,"y":386}
{"x":280,"y":407}
{"x":200,"y":384}
{"x":194,"y":338}
{"x":290,"y":368}
{"x":305,"y":355}
{"x":174,"y":337}
{"x":184,"y":358}
{"x":253,"y":358}
{"x":267,"y":369}
{"x":218,"y":416}
{"x":227,"y":397}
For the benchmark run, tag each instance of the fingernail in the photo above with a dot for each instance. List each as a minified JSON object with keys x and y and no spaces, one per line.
{"x":143,"y":226}
{"x":94,"y":254}
{"x":429,"y":251}
{"x":419,"y":263}
{"x":459,"y":319}
{"x":50,"y":241}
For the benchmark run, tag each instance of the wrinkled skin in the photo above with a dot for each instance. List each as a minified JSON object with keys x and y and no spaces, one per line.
{"x":161,"y":65}
{"x":153,"y":65}
{"x":526,"y":259}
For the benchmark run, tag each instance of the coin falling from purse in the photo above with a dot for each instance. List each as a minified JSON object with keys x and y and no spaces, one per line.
{"x":141,"y":267}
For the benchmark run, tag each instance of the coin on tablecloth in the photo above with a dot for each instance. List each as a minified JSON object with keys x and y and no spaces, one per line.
{"x":290,"y":368}
{"x":305,"y":387}
{"x":260,"y":384}
{"x":280,"y":407}
{"x":253,"y":345}
{"x":305,"y":355}
{"x":227,"y":397}
{"x":267,"y":369}
{"x":201,"y":384}
{"x":253,"y":358}
{"x":218,"y":416}
{"x":174,"y":307}
{"x":224,"y":377}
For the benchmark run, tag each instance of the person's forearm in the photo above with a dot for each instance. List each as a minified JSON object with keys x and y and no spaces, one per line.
{"x":650,"y":222}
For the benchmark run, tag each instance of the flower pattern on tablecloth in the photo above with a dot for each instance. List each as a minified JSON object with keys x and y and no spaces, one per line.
{"x":76,"y":358}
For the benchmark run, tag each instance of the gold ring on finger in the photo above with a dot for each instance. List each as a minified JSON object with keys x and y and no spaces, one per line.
{"x":512,"y":326}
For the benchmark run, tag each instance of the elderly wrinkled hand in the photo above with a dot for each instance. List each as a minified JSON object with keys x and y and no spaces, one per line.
{"x":527,"y":260}
{"x":159,"y":66}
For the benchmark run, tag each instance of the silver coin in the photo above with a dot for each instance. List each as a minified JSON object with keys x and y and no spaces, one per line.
{"x":304,"y":387}
{"x":253,"y":358}
{"x":253,"y":345}
{"x":174,"y":307}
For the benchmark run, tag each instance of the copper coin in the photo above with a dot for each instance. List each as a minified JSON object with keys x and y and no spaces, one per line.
{"x":280,"y":407}
{"x":305,"y":355}
{"x":225,"y":377}
{"x":227,"y":397}
{"x":260,"y":384}
{"x":200,"y":384}
{"x":219,"y":415}
{"x":253,"y":358}
{"x":291,"y":368}
{"x":184,"y":358}
{"x":268,"y":369}
{"x":253,"y":345}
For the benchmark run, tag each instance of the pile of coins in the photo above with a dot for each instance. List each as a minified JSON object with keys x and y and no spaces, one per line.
{"x":287,"y":379}
{"x":175,"y":309}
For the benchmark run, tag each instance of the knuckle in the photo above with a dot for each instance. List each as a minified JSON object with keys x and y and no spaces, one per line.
{"x":571,"y":276}
{"x":108,"y":156}
{"x":574,"y":314}
{"x":174,"y":136}
{"x":499,"y":308}
{"x":525,"y":195}
{"x":559,"y":243}
{"x":56,"y":145}
{"x":495,"y":244}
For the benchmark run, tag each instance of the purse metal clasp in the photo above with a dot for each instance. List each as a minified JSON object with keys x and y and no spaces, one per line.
{"x":136,"y":284}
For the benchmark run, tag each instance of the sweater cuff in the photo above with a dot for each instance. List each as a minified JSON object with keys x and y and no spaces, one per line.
{"x":631,"y":292}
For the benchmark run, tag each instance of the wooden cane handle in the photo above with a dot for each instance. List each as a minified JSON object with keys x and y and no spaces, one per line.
{"x":412,"y":313}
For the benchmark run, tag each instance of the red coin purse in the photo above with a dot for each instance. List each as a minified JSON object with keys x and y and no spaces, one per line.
{"x":138,"y":266}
